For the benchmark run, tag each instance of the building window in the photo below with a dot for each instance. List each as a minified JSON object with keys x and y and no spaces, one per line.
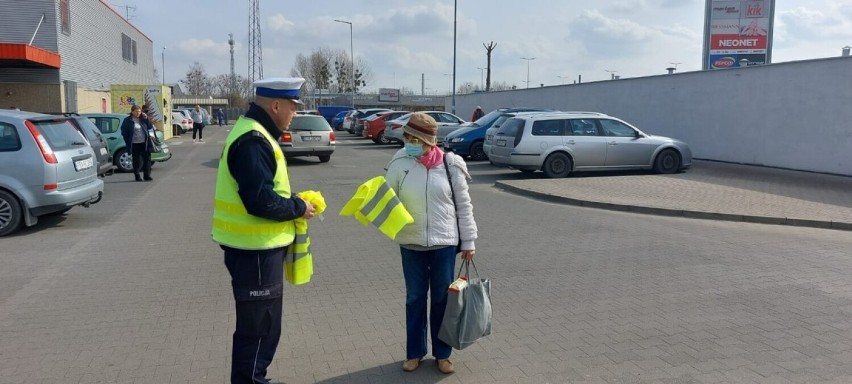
{"x":65,"y":15}
{"x":128,"y":49}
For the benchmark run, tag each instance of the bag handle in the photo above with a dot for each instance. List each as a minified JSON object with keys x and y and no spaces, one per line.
{"x":453,"y":195}
{"x":466,"y":265}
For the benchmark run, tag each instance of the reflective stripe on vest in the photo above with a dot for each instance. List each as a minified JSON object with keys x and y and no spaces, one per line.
{"x":233,"y":226}
{"x":375,"y":202}
{"x":298,"y":261}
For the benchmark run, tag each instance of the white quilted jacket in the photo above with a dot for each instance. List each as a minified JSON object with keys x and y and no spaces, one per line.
{"x":426,"y":195}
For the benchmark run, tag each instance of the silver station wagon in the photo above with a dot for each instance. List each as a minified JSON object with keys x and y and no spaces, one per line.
{"x":559,"y":143}
{"x":46,"y":167}
{"x":308,"y":135}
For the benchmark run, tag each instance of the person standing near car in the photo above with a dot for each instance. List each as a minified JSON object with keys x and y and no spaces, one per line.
{"x":428,"y":246}
{"x":136,"y":131}
{"x":477,"y":113}
{"x":253,"y":222}
{"x":197,"y":116}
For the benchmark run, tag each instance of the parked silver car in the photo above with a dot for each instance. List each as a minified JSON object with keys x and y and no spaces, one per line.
{"x":447,"y":122}
{"x":559,"y":143}
{"x":308,"y":135}
{"x":46,"y":167}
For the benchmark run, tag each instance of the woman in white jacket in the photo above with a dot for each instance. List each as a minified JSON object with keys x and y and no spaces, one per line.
{"x":418,"y":175}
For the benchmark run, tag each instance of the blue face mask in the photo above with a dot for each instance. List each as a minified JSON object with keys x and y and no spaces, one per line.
{"x":413,"y":150}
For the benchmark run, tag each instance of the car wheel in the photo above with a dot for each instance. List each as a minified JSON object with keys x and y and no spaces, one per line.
{"x":557,"y":165}
{"x":668,"y":161}
{"x":324,"y":158}
{"x":123,"y":160}
{"x":11,"y":215}
{"x":476,"y":151}
{"x":382,"y":139}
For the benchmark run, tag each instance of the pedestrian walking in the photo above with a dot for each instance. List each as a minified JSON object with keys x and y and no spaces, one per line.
{"x":197,"y":116}
{"x":429,"y":245}
{"x":254,"y":221}
{"x":477,"y":113}
{"x":137,"y":132}
{"x":220,"y":115}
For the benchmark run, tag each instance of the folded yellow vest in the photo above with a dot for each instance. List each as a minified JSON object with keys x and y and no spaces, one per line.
{"x":375,"y":202}
{"x":298,"y":261}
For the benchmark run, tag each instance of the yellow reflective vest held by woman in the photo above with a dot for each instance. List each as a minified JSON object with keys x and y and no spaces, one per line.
{"x":299,"y":261}
{"x":375,"y":202}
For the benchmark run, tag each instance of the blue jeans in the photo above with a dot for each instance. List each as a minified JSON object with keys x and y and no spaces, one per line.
{"x":424,"y":271}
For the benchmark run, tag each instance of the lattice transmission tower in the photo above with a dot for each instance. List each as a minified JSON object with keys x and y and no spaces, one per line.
{"x":255,"y":54}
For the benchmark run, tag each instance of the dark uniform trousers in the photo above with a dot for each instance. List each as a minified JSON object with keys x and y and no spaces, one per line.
{"x":257,"y":278}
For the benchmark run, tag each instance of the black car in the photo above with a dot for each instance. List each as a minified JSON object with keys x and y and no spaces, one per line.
{"x":96,"y":140}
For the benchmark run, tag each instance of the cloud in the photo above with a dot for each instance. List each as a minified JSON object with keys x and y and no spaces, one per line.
{"x":204,"y":47}
{"x":279,"y":22}
{"x":802,"y":24}
{"x":604,"y":36}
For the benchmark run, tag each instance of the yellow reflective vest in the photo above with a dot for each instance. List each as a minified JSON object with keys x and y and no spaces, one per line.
{"x":375,"y":202}
{"x":299,"y":261}
{"x":233,"y":226}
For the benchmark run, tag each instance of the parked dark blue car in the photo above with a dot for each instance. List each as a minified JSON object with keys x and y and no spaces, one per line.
{"x":337,"y":120}
{"x":467,"y":140}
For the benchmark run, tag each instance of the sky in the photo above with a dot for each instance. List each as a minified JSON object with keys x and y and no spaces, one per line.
{"x":409,"y":43}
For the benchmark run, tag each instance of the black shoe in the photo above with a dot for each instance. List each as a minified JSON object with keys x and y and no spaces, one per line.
{"x":148,"y":178}
{"x":138,"y":178}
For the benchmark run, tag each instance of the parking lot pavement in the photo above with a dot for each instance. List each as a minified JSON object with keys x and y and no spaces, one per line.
{"x":709,"y":190}
{"x":132,"y":290}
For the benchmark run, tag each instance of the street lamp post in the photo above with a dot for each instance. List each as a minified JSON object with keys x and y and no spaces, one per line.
{"x":528,"y":59}
{"x":351,"y":58}
{"x":481,"y":77}
{"x":612,"y":73}
{"x":163,"y":67}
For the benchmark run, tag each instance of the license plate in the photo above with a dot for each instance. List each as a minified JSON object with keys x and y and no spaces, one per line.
{"x":310,"y":138}
{"x":501,"y":143}
{"x":84,"y":164}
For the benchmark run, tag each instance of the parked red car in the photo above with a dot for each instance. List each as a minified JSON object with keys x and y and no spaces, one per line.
{"x":375,"y":128}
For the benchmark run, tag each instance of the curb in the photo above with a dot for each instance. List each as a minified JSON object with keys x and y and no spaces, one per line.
{"x":822,"y":224}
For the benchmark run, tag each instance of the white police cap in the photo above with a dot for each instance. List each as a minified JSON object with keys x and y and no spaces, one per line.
{"x":280,"y":88}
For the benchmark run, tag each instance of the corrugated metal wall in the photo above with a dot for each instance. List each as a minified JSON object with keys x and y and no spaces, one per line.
{"x":19,"y":19}
{"x":18,"y":22}
{"x":91,"y":53}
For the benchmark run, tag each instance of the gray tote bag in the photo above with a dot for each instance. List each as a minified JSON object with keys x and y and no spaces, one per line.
{"x":468,"y":314}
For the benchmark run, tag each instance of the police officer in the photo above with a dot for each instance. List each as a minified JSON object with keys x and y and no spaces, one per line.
{"x":253,"y":223}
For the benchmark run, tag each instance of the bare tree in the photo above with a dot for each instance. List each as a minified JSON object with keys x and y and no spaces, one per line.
{"x":196,"y":81}
{"x":502,"y":86}
{"x":468,"y":87}
{"x":488,"y":48}
{"x":342,"y":72}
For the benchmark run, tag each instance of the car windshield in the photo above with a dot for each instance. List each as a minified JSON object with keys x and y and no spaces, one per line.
{"x":488,"y":118}
{"x":89,"y":128}
{"x":60,"y":134}
{"x":308,"y":123}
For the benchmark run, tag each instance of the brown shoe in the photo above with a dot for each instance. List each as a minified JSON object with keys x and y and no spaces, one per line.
{"x":446,"y":366}
{"x":410,"y":365}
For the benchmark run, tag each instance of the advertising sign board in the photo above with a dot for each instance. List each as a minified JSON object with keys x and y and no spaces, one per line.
{"x":738,"y":33}
{"x":389,"y":94}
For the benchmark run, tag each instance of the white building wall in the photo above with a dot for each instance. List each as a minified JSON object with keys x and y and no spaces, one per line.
{"x":795,"y":115}
{"x":91,"y":52}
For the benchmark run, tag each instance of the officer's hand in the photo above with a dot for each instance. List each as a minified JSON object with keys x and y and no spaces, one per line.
{"x":468,"y":255}
{"x":310,"y":211}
